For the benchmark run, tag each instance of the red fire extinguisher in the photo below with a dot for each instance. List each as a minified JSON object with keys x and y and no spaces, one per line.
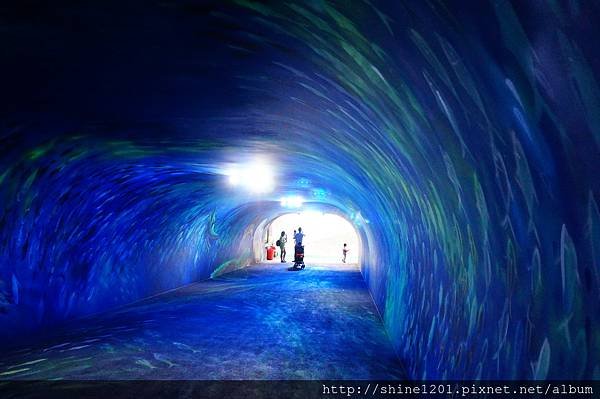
{"x":270,"y":252}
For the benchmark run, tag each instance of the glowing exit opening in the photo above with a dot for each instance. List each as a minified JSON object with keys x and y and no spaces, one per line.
{"x":325,"y":236}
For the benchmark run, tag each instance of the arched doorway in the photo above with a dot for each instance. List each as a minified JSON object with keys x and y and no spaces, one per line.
{"x":325,"y":235}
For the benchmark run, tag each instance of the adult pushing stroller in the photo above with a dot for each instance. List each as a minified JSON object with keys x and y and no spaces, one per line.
{"x":299,"y":256}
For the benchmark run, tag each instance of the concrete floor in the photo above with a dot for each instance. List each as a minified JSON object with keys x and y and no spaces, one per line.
{"x":263,"y":322}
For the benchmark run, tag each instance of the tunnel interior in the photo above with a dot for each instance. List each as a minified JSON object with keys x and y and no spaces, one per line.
{"x":461,"y":140}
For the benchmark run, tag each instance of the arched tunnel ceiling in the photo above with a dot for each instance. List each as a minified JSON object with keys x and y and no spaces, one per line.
{"x":464,"y":134}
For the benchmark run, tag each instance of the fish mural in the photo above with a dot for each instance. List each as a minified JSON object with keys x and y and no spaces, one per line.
{"x":462,"y":142}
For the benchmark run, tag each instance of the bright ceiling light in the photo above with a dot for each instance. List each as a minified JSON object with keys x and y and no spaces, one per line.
{"x":234,"y":177}
{"x":256,"y":177}
{"x":259,"y":178}
{"x":292,"y":201}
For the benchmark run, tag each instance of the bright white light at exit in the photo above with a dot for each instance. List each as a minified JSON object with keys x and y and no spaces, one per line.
{"x":325,"y":237}
{"x":256,"y":177}
{"x":311,"y":214}
{"x":293,"y":201}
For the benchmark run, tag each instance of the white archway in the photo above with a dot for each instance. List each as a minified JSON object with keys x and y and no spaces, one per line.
{"x":325,"y":233}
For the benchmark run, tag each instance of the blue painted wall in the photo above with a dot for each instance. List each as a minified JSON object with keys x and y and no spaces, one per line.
{"x":461,"y":139}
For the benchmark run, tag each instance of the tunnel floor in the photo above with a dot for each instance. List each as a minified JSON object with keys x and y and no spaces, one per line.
{"x":262,"y":322}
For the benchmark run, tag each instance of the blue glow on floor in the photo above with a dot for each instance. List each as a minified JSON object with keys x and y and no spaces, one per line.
{"x":462,"y":143}
{"x":263,"y":322}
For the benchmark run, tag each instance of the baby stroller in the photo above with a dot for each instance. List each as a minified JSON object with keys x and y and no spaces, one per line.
{"x":299,"y":257}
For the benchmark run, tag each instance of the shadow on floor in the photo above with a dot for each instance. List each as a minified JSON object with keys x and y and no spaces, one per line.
{"x":261,"y":322}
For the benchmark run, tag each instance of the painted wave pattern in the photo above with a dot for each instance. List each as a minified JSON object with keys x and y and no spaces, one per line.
{"x":458,"y":158}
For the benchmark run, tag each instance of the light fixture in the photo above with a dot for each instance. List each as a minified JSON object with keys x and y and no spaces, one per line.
{"x":234,"y":178}
{"x":255,"y":177}
{"x":292,"y":201}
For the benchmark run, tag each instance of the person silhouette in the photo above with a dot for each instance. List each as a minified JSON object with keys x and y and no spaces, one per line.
{"x":298,"y":237}
{"x":344,"y":252}
{"x":282,"y":241}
